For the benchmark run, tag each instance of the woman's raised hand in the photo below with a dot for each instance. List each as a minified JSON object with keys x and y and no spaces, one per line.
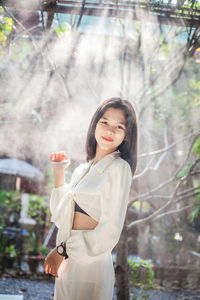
{"x":59,"y":157}
{"x":59,"y":161}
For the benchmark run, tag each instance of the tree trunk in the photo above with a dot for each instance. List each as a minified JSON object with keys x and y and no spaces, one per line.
{"x":121,"y":269}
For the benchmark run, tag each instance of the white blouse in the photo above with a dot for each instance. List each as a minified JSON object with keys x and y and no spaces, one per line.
{"x":102,"y":191}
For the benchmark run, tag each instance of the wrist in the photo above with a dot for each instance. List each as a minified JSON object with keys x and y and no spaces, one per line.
{"x":61,"y":250}
{"x":59,"y":178}
{"x":59,"y":171}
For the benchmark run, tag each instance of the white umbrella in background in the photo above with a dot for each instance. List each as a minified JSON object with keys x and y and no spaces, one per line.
{"x":17,"y":167}
{"x":13,"y":166}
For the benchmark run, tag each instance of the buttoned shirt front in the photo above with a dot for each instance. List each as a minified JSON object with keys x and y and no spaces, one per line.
{"x":102,"y":191}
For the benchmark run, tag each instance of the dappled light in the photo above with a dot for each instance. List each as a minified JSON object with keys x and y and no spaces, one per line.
{"x":58,"y":61}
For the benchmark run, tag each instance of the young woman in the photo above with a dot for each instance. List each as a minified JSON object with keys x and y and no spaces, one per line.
{"x":90,"y":211}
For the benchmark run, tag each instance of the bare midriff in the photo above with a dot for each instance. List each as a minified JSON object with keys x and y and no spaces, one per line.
{"x":83,"y":222}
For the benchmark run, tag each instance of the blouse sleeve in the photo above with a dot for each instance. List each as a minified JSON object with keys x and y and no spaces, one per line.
{"x":57,"y":202}
{"x":57,"y":195}
{"x":88,"y":246}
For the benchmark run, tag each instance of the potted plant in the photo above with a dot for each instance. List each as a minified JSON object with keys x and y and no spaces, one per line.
{"x":36,"y":253}
{"x":38,"y":210}
{"x":33,"y":253}
{"x":43,"y":251}
{"x":9,"y":257}
{"x":8,"y":252}
{"x":10,"y":206}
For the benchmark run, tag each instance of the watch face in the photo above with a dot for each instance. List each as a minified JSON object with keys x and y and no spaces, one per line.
{"x":60,"y":249}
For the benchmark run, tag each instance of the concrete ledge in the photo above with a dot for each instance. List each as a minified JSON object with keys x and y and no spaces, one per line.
{"x":11,"y":297}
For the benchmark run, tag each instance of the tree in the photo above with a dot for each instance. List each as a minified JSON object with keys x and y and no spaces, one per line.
{"x":177,"y":181}
{"x":140,"y":59}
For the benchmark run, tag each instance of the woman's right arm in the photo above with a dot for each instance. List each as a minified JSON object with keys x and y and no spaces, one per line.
{"x":59,"y":175}
{"x":60,"y":187}
{"x":53,"y":259}
{"x":58,"y":169}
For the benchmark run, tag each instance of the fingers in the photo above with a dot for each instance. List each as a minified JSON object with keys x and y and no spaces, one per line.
{"x":54,"y":273}
{"x":46,"y":268}
{"x":50,"y":270}
{"x":58,"y":156}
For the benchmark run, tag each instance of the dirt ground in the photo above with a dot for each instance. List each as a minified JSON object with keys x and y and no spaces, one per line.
{"x":34,"y":289}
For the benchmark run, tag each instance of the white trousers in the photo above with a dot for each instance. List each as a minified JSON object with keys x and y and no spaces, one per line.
{"x":93,"y":281}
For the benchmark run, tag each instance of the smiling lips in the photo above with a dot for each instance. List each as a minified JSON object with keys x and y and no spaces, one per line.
{"x":108,"y":139}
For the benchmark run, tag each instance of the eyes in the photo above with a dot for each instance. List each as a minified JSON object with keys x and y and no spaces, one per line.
{"x":120,"y":127}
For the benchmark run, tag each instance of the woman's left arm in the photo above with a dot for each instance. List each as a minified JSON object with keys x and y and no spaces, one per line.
{"x":88,"y":246}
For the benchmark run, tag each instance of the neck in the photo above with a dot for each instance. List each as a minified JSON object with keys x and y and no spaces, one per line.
{"x":100,"y":153}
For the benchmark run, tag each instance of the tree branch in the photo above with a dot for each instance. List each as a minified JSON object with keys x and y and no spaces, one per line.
{"x":174,"y":211}
{"x":169,"y":202}
{"x":196,"y":133}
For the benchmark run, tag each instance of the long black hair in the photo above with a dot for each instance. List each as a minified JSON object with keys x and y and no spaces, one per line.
{"x":128,"y":147}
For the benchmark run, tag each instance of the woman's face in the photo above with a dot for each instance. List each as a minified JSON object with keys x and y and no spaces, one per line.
{"x":110,"y":130}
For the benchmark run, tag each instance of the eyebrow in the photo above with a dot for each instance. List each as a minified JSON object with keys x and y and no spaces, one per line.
{"x":117,"y":122}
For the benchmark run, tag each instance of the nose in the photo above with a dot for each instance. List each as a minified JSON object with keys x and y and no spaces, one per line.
{"x":110,"y":130}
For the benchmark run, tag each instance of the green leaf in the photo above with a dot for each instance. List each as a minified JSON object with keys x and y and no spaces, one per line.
{"x":194,"y":84}
{"x":7,"y":28}
{"x":2,"y":37}
{"x":184,"y":170}
{"x":8,"y":20}
{"x":197,"y":198}
{"x":195,"y":214}
{"x":11,"y":250}
{"x":146,"y":281}
{"x":64,"y":26}
{"x":196,"y":146}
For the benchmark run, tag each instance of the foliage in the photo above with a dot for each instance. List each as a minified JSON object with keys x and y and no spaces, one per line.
{"x":143,"y":297}
{"x":8,"y":199}
{"x":194,"y":215}
{"x":21,"y":51}
{"x":11,"y":251}
{"x":2,"y":247}
{"x":141,"y":206}
{"x":38,"y":209}
{"x":194,"y":149}
{"x":191,"y":4}
{"x":33,"y":244}
{"x":184,"y":170}
{"x":43,"y":250}
{"x":142,"y":275}
{"x":62,"y":28}
{"x":9,"y":205}
{"x":6,"y":249}
{"x":6,"y":27}
{"x":196,"y":146}
{"x":196,"y":212}
{"x":34,"y":247}
{"x":18,"y":47}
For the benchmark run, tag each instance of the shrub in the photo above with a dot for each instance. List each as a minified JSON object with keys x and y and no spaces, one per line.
{"x":141,"y":274}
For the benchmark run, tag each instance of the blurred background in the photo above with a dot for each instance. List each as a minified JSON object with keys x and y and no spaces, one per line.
{"x":58,"y":61}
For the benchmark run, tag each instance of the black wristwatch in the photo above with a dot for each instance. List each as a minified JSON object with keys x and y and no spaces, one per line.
{"x":61,"y":249}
